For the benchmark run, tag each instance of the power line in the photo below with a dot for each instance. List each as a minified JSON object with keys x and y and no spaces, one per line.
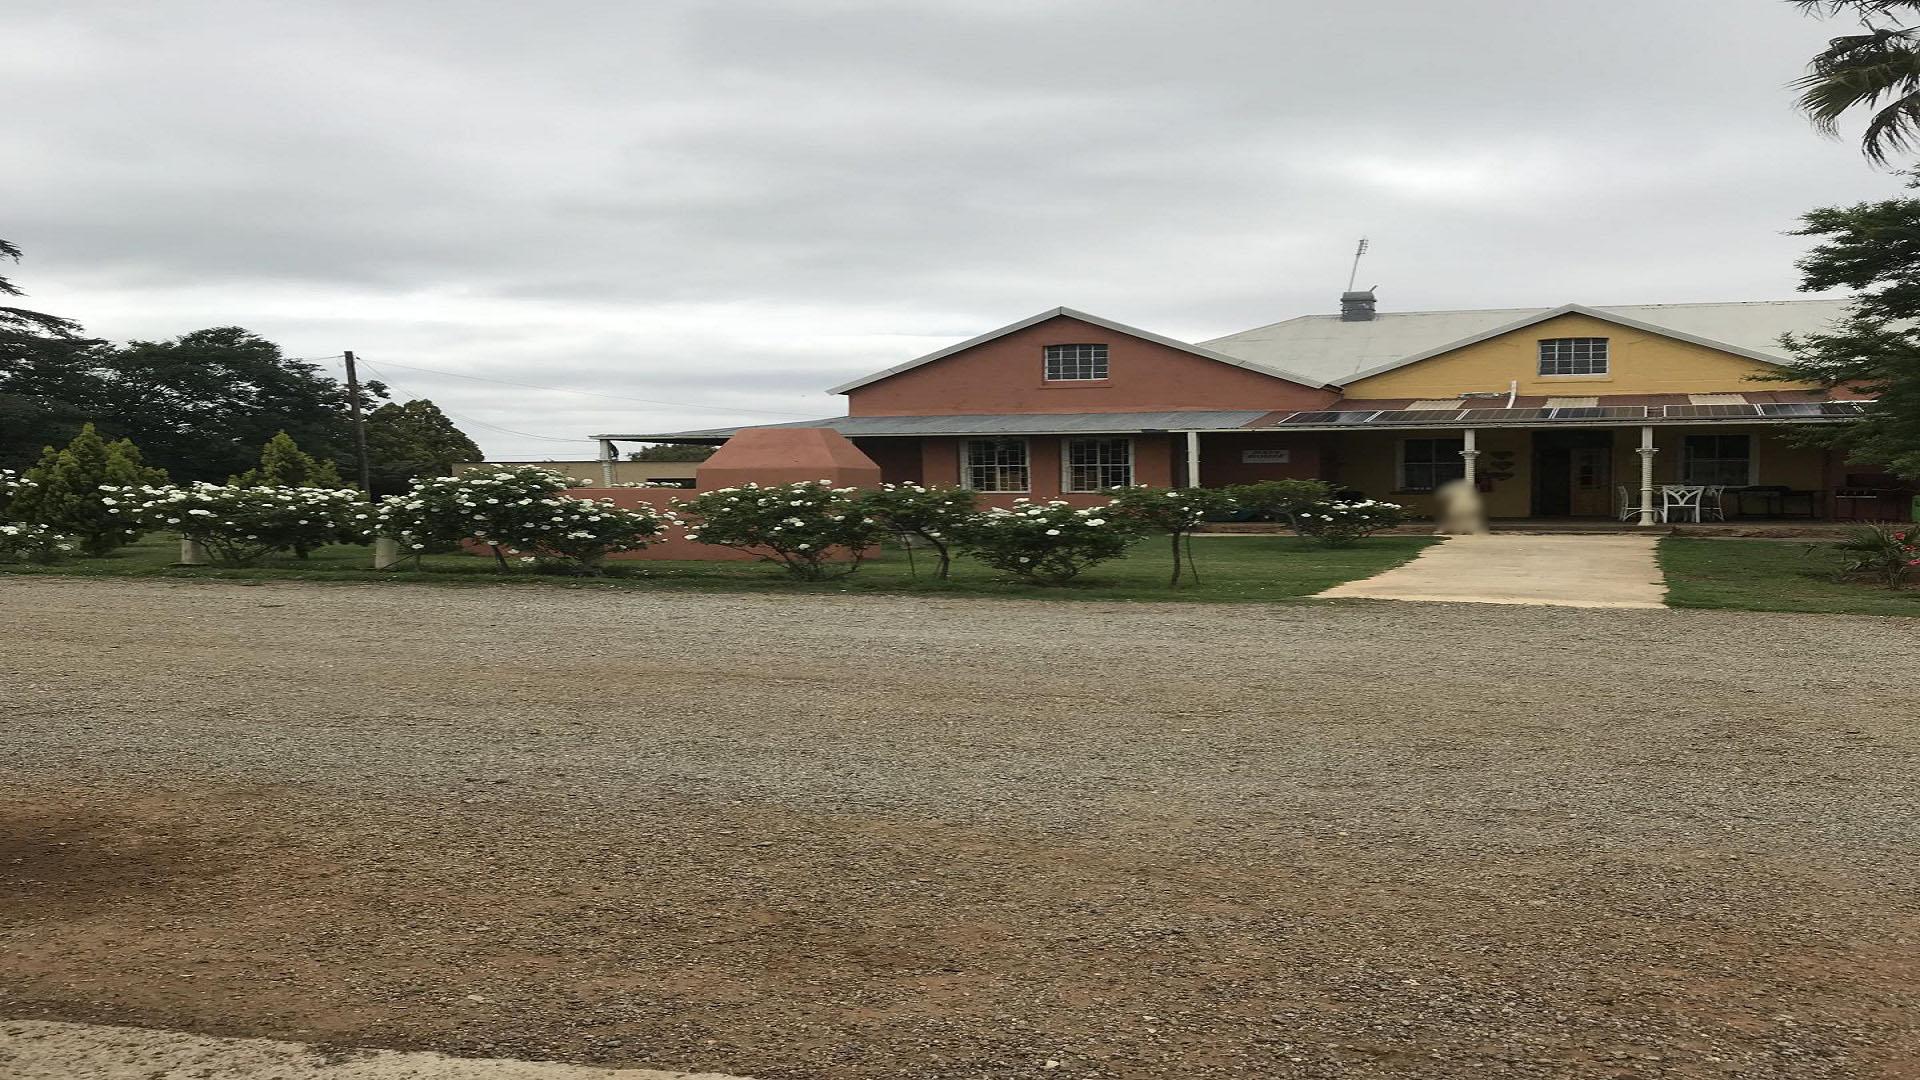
{"x":589,"y":393}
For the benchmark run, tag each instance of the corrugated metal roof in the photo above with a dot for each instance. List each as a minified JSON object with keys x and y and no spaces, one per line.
{"x":1323,"y":347}
{"x":997,"y":424}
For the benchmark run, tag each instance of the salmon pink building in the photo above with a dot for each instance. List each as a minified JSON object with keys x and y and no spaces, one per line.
{"x":1573,"y":411}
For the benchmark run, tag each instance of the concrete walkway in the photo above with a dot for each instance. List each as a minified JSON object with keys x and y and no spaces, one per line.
{"x":45,"y":1050}
{"x":1566,"y":571}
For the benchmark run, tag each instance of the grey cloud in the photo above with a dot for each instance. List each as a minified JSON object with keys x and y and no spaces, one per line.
{"x":739,"y":204}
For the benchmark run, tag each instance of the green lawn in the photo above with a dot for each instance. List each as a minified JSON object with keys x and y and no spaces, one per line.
{"x":1233,"y":569}
{"x":1769,"y":575}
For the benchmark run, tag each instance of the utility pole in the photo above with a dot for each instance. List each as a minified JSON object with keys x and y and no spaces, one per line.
{"x":359,"y":426}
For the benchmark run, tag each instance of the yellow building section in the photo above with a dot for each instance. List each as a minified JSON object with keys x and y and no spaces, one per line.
{"x":1639,"y":362}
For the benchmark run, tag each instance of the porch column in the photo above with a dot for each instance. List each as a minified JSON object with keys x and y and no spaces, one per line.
{"x":1469,"y":453}
{"x":1193,"y":459}
{"x":607,"y":457}
{"x":1646,"y":452}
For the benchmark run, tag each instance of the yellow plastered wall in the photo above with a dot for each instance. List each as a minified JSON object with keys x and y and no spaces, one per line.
{"x":1639,"y":363}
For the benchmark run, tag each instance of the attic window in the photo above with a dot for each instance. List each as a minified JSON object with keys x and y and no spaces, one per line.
{"x":1573,"y":356}
{"x":1076,"y":363}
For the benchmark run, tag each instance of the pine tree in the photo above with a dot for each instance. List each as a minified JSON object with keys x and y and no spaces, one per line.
{"x":66,"y":491}
{"x":284,"y":464}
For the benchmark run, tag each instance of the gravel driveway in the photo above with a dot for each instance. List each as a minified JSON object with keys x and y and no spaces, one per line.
{"x":892,"y":837}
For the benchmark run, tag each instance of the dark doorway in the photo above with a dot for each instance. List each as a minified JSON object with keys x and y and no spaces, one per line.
{"x":1573,"y":473}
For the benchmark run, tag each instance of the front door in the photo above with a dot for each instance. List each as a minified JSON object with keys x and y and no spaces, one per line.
{"x":1572,"y":472}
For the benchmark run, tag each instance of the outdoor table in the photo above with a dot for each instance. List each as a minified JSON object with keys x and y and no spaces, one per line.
{"x":1775,"y":500}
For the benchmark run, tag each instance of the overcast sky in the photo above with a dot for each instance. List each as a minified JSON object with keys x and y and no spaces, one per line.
{"x":731,"y":205}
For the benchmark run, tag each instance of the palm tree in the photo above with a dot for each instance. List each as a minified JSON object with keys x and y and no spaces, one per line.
{"x":1879,"y":69}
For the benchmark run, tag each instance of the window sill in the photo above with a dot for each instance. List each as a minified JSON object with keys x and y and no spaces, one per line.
{"x":1576,"y":378}
{"x":1074,"y":384}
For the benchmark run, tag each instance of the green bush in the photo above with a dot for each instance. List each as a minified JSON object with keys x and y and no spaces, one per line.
{"x":1338,"y":524}
{"x":1174,"y":511}
{"x":1889,"y":553}
{"x":11,"y":484}
{"x":800,"y":526}
{"x":284,"y":464}
{"x":64,"y":491}
{"x":240,"y":525}
{"x":1279,"y":500}
{"x":577,"y":535}
{"x":27,"y":542}
{"x":1047,"y":543}
{"x":933,"y":516}
{"x":479,"y":505}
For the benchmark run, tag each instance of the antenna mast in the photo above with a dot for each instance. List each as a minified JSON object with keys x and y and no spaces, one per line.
{"x":1358,"y":251}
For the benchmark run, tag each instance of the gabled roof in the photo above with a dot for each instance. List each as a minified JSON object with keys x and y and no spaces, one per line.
{"x":1337,"y":352}
{"x":1111,"y":423}
{"x":1259,"y":366}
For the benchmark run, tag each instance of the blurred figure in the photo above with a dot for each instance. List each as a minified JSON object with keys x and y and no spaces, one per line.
{"x":1461,"y":511}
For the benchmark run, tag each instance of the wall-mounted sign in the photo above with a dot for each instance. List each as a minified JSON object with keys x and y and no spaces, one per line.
{"x":1265,"y":457}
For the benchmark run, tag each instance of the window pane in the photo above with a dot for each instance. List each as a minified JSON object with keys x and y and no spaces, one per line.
{"x":1098,"y":464}
{"x":1075,"y":362}
{"x":1428,"y":463}
{"x":995,"y":464}
{"x":1717,"y":459}
{"x":1573,"y":356}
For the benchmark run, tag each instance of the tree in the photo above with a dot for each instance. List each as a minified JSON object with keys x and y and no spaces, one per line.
{"x":65,"y":491}
{"x":1878,"y":69}
{"x":50,"y":377}
{"x":413,"y":439}
{"x":284,"y":464}
{"x":673,"y":452}
{"x":1873,"y":248}
{"x":202,"y":403}
{"x":1174,"y":511}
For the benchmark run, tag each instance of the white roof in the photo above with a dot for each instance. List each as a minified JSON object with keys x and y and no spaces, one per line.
{"x":1251,"y":364}
{"x":1325,"y":349}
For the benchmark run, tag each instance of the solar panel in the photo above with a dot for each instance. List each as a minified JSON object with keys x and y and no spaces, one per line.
{"x":1842,"y":408}
{"x":1347,"y":417}
{"x":1495,"y":416}
{"x":1416,"y":416}
{"x":1601,"y":412}
{"x":1674,"y":412}
{"x":1800,"y":408}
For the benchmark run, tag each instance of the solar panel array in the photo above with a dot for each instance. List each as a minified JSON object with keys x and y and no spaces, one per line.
{"x":1448,"y":417}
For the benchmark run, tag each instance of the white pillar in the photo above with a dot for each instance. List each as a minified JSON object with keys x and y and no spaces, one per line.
{"x":1193,"y":459}
{"x":386,"y":552}
{"x":1469,"y":453}
{"x":1646,"y":452}
{"x":192,"y":553}
{"x":607,"y":455}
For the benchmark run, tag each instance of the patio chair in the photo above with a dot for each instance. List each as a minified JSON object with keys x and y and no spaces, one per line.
{"x":1684,"y":500}
{"x":1628,"y":511}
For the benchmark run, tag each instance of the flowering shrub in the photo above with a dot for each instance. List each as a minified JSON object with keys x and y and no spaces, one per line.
{"x":1047,"y":543}
{"x":1338,"y":524}
{"x":32,"y":543}
{"x":1279,"y":500}
{"x":238,"y":525}
{"x":1888,"y":552}
{"x":933,"y":516}
{"x":11,"y":484}
{"x":479,"y":504}
{"x":576,"y":533}
{"x":1174,"y":511}
{"x":798,"y":526}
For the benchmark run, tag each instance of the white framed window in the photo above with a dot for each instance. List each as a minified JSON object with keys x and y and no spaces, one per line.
{"x":1717,"y":459}
{"x":1075,"y":363}
{"x":994,"y":465}
{"x":1096,"y":464}
{"x":1425,"y":464}
{"x":1573,"y":356}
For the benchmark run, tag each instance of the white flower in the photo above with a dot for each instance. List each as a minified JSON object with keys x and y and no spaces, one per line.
{"x":1053,"y":532}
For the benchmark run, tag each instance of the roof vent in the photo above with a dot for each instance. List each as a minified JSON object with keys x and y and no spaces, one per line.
{"x":1356,"y":306}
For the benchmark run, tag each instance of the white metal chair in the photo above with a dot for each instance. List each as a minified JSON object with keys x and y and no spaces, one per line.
{"x":1682,"y":499}
{"x":1625,"y":496}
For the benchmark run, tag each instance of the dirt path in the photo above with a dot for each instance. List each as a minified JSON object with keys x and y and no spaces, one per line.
{"x":884,"y":837}
{"x":1562,"y":571}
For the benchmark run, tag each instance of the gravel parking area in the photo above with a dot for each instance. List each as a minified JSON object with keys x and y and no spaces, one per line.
{"x":817,"y":837}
